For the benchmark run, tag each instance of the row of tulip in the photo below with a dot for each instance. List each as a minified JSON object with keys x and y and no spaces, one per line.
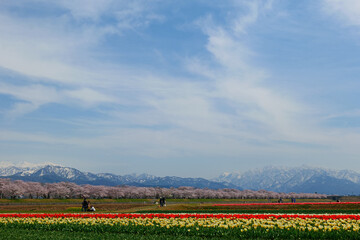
{"x":301,"y":203}
{"x":205,"y":225}
{"x":180,"y":215}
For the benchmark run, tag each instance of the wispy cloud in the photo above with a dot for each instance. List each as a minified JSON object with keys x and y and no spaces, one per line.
{"x":234,"y":81}
{"x":258,"y":108}
{"x":54,"y":50}
{"x":348,"y":11}
{"x":218,"y":103}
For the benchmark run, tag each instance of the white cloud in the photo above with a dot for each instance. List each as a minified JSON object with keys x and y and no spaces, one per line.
{"x":152,"y":113}
{"x":57,"y":49}
{"x":53,"y":50}
{"x":31,"y":97}
{"x":89,"y":96}
{"x":241,"y":23}
{"x":37,"y":94}
{"x":83,"y":9}
{"x":43,"y":50}
{"x":174,"y":102}
{"x":274,"y":114}
{"x":346,"y":10}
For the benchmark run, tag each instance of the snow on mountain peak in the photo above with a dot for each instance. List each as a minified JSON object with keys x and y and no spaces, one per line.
{"x":287,"y":178}
{"x":225,"y":174}
{"x":27,"y":165}
{"x":22,"y":168}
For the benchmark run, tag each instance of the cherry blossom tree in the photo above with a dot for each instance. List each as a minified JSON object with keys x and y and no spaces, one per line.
{"x":21,"y":189}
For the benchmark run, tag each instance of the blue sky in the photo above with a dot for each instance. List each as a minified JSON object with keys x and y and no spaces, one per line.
{"x":186,"y":88}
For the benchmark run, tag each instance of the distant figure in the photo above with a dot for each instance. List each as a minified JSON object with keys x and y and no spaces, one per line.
{"x":162,"y":202}
{"x":280,"y":200}
{"x":85,"y":205}
{"x":92,"y":208}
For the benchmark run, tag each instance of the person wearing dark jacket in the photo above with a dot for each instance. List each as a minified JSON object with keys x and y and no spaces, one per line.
{"x":85,"y":205}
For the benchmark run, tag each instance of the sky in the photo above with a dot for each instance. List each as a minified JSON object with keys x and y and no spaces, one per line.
{"x":180,"y":88}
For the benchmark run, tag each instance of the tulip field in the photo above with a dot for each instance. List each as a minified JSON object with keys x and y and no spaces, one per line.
{"x":139,"y":224}
{"x":191,"y":226}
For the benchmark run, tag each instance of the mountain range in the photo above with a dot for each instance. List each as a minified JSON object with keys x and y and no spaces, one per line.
{"x":51,"y":173}
{"x":297,"y":179}
{"x":278,"y":179}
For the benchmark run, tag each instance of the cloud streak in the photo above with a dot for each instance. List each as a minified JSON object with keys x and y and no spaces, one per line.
{"x":218,"y":103}
{"x":347,"y":11}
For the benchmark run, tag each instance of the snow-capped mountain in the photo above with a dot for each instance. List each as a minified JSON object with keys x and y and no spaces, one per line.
{"x":25,"y":168}
{"x":297,"y":179}
{"x":50,"y":173}
{"x":277,"y":179}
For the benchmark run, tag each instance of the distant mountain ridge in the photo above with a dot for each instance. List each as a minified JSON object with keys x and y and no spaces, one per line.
{"x":55,"y":173}
{"x":277,"y":179}
{"x":297,"y":179}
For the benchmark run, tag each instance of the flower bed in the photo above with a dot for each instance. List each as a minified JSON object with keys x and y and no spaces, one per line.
{"x":337,"y":226}
{"x":302,"y":203}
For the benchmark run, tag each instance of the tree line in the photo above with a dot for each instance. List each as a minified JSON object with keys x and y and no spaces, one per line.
{"x":15,"y":189}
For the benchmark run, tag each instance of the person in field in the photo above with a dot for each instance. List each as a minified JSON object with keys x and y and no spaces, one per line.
{"x":92,"y":208}
{"x":162,"y":202}
{"x":85,"y":205}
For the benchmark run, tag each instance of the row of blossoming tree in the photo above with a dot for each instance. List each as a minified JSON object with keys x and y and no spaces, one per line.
{"x":21,"y":189}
